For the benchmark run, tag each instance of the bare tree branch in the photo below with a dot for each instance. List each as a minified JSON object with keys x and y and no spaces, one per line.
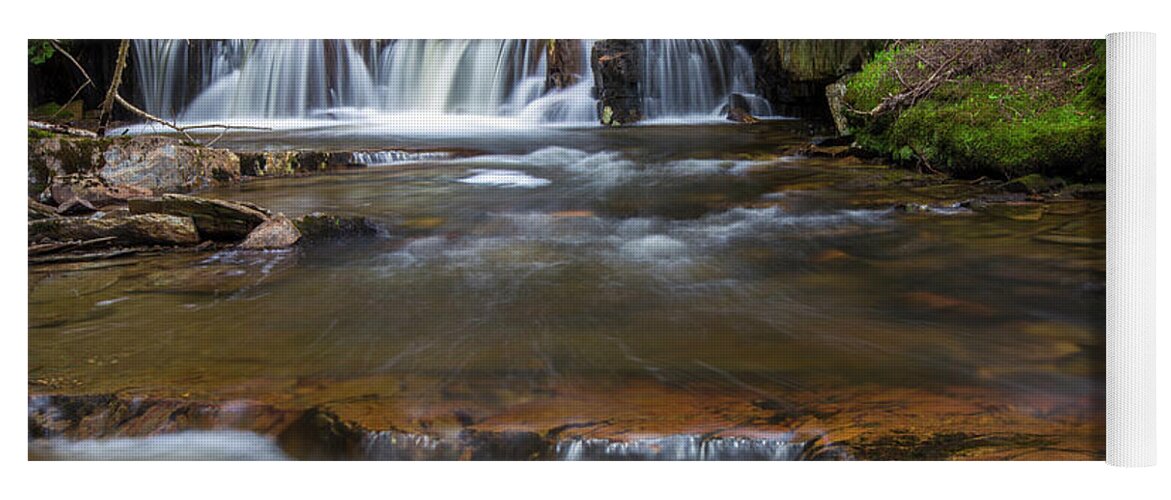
{"x":115,"y":82}
{"x":88,"y":81}
{"x":112,"y":96}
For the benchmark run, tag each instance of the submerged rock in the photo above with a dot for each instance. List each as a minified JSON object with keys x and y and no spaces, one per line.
{"x":617,"y":66}
{"x":216,"y":219}
{"x":276,"y":232}
{"x":150,"y":229}
{"x":318,"y":226}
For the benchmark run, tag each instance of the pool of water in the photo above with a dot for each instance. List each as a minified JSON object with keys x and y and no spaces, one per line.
{"x":680,"y":257}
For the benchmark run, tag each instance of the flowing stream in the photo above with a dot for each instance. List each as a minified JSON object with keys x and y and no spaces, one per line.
{"x":542,"y":287}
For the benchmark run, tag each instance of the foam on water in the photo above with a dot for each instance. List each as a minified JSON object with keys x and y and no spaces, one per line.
{"x":186,"y":445}
{"x":504,"y":178}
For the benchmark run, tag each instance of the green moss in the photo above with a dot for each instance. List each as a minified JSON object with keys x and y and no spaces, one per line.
{"x":970,"y":128}
{"x":36,"y":133}
{"x":873,"y":83}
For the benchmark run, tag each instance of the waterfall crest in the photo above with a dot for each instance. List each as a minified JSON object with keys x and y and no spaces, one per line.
{"x":213,"y":80}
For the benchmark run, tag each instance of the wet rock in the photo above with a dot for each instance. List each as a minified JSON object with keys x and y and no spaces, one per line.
{"x":739,"y":109}
{"x":150,"y":229}
{"x":282,"y":163}
{"x":318,"y":226}
{"x":1013,"y":210}
{"x":563,"y":63}
{"x":1032,"y":184}
{"x":276,"y":232}
{"x":215,"y":219}
{"x":617,"y":66}
{"x":159,"y":164}
{"x":794,"y":74}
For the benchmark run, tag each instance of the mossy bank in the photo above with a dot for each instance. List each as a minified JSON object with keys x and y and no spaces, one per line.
{"x":1000,"y":109}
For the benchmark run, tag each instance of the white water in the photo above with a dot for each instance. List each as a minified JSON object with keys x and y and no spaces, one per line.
{"x":419,"y":83}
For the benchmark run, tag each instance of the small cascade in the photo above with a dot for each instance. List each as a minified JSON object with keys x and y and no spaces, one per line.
{"x":681,"y":447}
{"x":391,"y":157}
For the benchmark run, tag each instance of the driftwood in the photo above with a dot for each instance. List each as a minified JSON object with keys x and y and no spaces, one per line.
{"x":62,"y":129}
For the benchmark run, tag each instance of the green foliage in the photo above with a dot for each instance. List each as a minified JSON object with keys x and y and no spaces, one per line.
{"x":40,"y":51}
{"x":970,"y":128}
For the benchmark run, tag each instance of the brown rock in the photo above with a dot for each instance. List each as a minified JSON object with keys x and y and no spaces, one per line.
{"x":277,"y":232}
{"x":149,"y":229}
{"x":215,"y":219}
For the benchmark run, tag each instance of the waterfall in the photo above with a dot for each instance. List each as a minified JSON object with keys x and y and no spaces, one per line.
{"x":695,"y":77}
{"x":215,"y":80}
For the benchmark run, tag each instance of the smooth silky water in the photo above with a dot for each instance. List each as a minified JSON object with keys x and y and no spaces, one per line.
{"x":504,"y":277}
{"x":659,"y":291}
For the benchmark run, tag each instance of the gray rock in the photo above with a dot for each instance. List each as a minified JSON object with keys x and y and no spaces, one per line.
{"x":159,"y":164}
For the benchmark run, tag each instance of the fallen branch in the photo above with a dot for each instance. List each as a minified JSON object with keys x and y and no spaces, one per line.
{"x":45,"y":248}
{"x":61,"y":129}
{"x":182,"y":129}
{"x":86,"y":256}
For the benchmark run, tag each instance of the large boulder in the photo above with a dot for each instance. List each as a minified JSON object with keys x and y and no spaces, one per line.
{"x":149,"y":229}
{"x":617,"y":66}
{"x":276,"y":232}
{"x":793,"y":74}
{"x":563,"y":63}
{"x":216,"y":219}
{"x":159,"y":164}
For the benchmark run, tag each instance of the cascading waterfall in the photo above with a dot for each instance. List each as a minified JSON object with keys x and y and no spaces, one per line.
{"x":696,"y":77}
{"x":216,"y":80}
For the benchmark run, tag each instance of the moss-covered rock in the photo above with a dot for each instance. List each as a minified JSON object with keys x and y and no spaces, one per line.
{"x":995,"y":120}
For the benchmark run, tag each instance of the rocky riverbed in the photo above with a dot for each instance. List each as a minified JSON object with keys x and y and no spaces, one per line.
{"x":763,"y":299}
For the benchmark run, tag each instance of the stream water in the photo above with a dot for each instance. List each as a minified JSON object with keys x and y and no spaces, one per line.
{"x":626,"y":281}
